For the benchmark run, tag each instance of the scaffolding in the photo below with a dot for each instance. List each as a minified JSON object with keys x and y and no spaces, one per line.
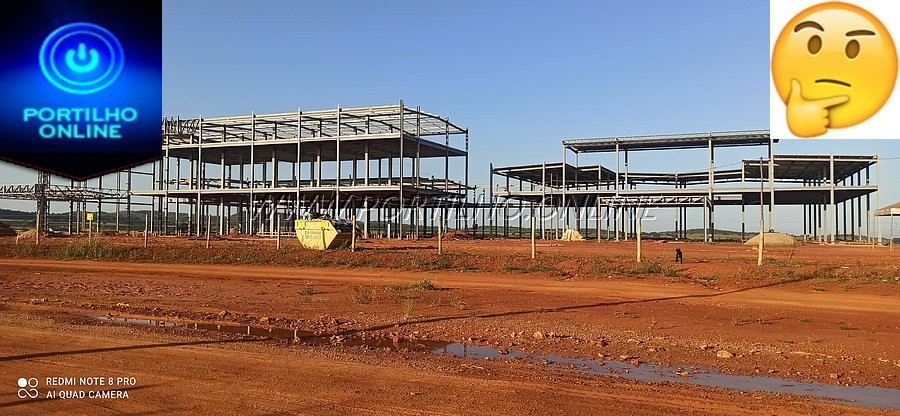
{"x":255,"y":173}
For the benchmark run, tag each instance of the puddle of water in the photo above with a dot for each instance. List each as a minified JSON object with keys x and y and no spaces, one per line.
{"x":473,"y":351}
{"x":231,"y":329}
{"x":864,"y":396}
{"x":278,"y":333}
{"x":133,"y":321}
{"x":395,"y":344}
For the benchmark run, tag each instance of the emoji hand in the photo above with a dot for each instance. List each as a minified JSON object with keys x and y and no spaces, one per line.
{"x":809,"y":118}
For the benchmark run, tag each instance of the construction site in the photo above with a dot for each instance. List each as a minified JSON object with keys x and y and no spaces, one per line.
{"x":348,"y":261}
{"x":255,"y":174}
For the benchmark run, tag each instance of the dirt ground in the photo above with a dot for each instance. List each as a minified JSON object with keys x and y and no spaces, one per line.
{"x":812,"y":313}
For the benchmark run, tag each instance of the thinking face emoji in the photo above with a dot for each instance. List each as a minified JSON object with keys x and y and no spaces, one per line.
{"x":834,"y":65}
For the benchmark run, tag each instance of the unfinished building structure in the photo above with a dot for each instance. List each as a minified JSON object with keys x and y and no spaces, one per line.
{"x":400,"y":169}
{"x":80,"y":197}
{"x":823,"y":185}
{"x":254,"y":173}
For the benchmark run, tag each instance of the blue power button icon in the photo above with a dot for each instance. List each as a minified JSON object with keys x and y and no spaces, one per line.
{"x":81,"y":58}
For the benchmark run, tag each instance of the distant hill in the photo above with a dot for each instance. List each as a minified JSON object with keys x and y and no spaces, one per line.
{"x":60,"y":221}
{"x":11,"y":214}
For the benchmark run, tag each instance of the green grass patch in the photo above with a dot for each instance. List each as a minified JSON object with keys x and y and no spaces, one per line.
{"x":820,"y":273}
{"x":825,"y":273}
{"x":652,"y":268}
{"x":427,"y":262}
{"x":421,"y":285}
{"x":424,"y":284}
{"x":88,"y":250}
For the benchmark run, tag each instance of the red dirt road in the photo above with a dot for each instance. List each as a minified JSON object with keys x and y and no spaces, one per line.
{"x":178,"y":374}
{"x":842,"y":330}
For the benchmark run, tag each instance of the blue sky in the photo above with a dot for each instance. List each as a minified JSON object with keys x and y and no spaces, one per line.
{"x":521,"y":75}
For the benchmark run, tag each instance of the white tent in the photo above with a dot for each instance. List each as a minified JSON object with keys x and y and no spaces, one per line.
{"x":892,"y":211}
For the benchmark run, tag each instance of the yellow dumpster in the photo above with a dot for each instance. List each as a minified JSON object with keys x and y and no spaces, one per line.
{"x":323,"y":233}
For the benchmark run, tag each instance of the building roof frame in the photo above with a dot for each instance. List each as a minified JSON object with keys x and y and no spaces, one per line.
{"x":670,"y":141}
{"x":318,"y":123}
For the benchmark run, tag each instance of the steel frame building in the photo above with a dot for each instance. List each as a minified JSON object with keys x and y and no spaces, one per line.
{"x":254,"y":173}
{"x":78,"y":195}
{"x":264,"y":169}
{"x":820,"y":184}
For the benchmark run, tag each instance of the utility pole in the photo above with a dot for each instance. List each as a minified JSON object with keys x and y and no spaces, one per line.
{"x":762,"y":230}
{"x":532,"y":238}
{"x":440,"y":235}
{"x":278,"y":234}
{"x":638,"y":227}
